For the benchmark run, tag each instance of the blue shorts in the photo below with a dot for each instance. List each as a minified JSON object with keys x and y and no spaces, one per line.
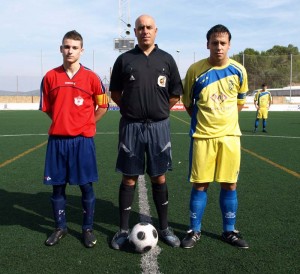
{"x":141,"y":143}
{"x":70,"y":160}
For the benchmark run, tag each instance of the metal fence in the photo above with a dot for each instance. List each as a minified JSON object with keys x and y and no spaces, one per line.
{"x":277,"y":71}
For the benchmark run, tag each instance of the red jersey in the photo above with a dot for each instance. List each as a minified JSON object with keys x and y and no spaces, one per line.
{"x":71,"y":103}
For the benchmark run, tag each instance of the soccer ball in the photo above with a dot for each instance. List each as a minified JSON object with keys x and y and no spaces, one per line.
{"x":143,"y":237}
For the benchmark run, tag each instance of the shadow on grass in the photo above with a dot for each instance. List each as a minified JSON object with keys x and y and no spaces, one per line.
{"x":34,"y":212}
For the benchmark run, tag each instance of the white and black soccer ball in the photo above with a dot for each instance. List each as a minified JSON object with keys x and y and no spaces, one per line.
{"x":143,"y":237}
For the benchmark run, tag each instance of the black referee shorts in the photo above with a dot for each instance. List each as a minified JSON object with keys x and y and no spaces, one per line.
{"x":144,"y":143}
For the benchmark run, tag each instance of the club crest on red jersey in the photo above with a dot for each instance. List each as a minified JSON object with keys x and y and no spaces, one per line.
{"x":78,"y":101}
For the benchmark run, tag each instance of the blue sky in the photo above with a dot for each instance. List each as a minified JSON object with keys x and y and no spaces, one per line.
{"x":32,"y":30}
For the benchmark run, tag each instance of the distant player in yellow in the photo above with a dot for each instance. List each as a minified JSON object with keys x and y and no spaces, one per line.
{"x":262,"y":102}
{"x":214,"y":91}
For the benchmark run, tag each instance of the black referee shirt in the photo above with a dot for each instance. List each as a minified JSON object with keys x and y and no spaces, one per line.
{"x":146,"y":82}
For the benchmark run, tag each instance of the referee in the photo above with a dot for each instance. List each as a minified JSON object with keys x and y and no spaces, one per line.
{"x":145,"y":84}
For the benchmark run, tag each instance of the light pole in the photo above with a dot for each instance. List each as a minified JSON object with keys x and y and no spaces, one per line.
{"x":127,"y":32}
{"x":178,"y":51}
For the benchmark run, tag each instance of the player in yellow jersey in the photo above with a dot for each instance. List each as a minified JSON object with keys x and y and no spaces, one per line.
{"x":214,"y":91}
{"x":262,"y":102}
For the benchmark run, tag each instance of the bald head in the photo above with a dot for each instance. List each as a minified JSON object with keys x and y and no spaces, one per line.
{"x":143,"y":18}
{"x":145,"y":31}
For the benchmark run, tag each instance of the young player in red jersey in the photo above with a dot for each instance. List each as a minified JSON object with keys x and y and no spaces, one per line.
{"x":74,"y":98}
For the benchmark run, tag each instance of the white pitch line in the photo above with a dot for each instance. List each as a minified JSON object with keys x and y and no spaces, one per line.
{"x":174,"y":133}
{"x":272,"y":136}
{"x":22,"y":135}
{"x":149,"y":262}
{"x":46,"y":134}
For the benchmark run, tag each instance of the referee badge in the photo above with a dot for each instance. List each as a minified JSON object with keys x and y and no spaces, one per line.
{"x":161,"y":81}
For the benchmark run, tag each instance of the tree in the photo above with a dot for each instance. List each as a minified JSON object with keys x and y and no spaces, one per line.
{"x":272,"y":66}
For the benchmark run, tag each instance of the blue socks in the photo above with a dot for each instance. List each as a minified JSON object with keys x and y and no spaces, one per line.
{"x":88,"y":204}
{"x":197,"y":206}
{"x":264,"y":123}
{"x":256,"y":123}
{"x":58,"y":201}
{"x":228,"y":205}
{"x":59,"y":213}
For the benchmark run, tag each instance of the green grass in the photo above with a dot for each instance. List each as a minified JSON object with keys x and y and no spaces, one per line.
{"x":268,"y":190}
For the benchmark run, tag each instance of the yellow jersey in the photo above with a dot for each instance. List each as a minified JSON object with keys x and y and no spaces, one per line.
{"x":214,"y":93}
{"x":263,"y":98}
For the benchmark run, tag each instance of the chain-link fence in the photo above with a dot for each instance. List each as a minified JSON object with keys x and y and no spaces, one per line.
{"x":277,"y":71}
